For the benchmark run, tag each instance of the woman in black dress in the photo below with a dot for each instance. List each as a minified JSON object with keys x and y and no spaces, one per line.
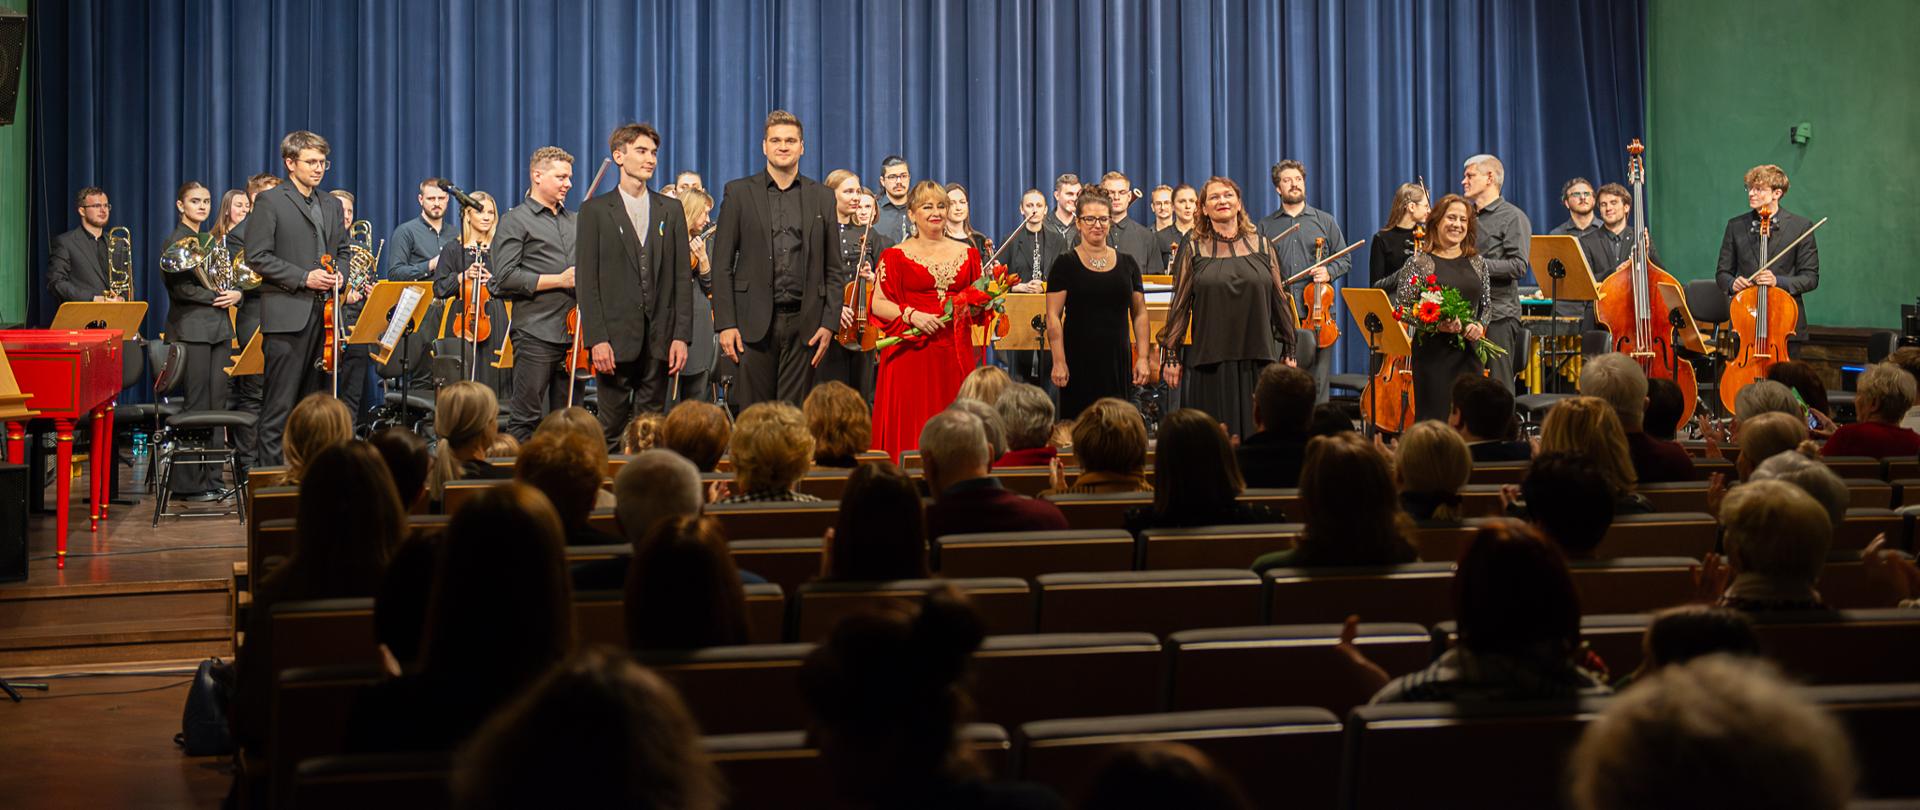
{"x":1229,"y":288}
{"x":1393,"y":245}
{"x":1108,"y":299}
{"x":197,"y":322}
{"x":1438,"y":358}
{"x":461,"y":263}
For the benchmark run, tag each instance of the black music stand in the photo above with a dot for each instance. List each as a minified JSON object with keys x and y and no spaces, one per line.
{"x":1559,"y":260}
{"x":392,"y":313}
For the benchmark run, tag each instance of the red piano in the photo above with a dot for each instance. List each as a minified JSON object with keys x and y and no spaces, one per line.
{"x":68,"y":375}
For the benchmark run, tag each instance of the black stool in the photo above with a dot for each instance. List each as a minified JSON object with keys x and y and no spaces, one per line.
{"x":172,"y":453}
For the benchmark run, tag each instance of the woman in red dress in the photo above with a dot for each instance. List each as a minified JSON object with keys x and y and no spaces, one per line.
{"x":919,"y":376}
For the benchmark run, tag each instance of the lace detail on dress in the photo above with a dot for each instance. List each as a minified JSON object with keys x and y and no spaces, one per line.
{"x":943,"y":272}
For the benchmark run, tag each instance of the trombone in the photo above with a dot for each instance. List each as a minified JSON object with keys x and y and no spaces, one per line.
{"x":120,"y":263}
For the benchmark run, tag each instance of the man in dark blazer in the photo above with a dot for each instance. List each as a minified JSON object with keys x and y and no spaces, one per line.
{"x":632,"y":279}
{"x":968,"y":499}
{"x":1740,"y":255}
{"x":291,"y":227}
{"x":776,"y":259}
{"x":77,"y":268}
{"x":1282,"y":408}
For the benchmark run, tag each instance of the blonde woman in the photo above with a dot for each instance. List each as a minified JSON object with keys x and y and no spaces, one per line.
{"x":1432,"y":463}
{"x":466,"y":418}
{"x":461,"y":264}
{"x":1587,"y":426}
{"x":317,"y":423}
{"x":702,"y":348}
{"x":986,"y":384}
{"x":771,"y":451}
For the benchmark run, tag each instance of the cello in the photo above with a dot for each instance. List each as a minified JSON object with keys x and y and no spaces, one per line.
{"x":1763,"y":315}
{"x":1387,"y":399}
{"x":1631,"y":308}
{"x":1319,"y":300}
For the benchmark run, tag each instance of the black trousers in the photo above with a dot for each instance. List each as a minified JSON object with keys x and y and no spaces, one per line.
{"x":540,"y":380}
{"x":778,"y":366}
{"x":355,"y":370}
{"x":1507,"y":333}
{"x":638,"y":385}
{"x":204,"y":383}
{"x":855,"y":368}
{"x":290,"y":375}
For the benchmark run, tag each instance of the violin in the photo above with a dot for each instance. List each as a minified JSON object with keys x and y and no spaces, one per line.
{"x":329,"y":323}
{"x":473,"y":324}
{"x":1763,"y":315}
{"x":1319,"y":294}
{"x":859,"y":335}
{"x":1631,"y":308}
{"x":1387,"y":400}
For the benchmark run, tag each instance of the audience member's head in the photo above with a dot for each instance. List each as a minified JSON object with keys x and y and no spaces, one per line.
{"x":1155,"y":776}
{"x":466,"y":417}
{"x":985,"y":383}
{"x":1885,"y":392}
{"x":346,"y":526}
{"x":1721,"y":731}
{"x":1803,"y":468}
{"x":989,"y":422}
{"x":1907,"y":359}
{"x":1512,"y":595}
{"x":1283,"y":400}
{"x":579,"y":422}
{"x":1616,"y":379}
{"x":1195,"y":471}
{"x":501,"y":612}
{"x":653,"y":486}
{"x":771,"y":448}
{"x":1568,"y":500}
{"x":1329,"y":418}
{"x":619,"y":733}
{"x":1665,"y":404}
{"x":1680,"y":634}
{"x":1350,"y":503}
{"x":842,"y":428}
{"x":562,"y":465}
{"x":1110,"y":437}
{"x":881,"y":531}
{"x":1062,"y":438}
{"x":953,"y":448}
{"x":1432,"y":460}
{"x":504,"y":445}
{"x":1765,"y":396}
{"x":1482,"y":409}
{"x":699,"y":431}
{"x":888,"y":696}
{"x":1766,"y":435}
{"x":683,"y":591}
{"x":1027,"y":414}
{"x":1776,"y":531}
{"x":317,"y":423}
{"x":1804,"y":380}
{"x":1587,"y":425}
{"x":407,"y":460}
{"x":642,"y":432}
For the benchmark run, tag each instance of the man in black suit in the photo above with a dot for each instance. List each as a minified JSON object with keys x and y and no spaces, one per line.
{"x":633,"y":274}
{"x":1740,"y":252}
{"x":77,"y":268}
{"x":292,"y":226}
{"x":775,"y":261}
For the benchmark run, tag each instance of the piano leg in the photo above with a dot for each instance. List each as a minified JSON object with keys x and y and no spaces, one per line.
{"x":16,"y":442}
{"x":102,"y":459}
{"x":63,"y":461}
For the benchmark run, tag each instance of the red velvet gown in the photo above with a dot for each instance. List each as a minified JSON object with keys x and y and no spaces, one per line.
{"x":920,"y":376}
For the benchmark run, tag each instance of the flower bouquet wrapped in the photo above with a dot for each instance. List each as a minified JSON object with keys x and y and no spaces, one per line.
{"x":1439,"y":305}
{"x":985,"y":295}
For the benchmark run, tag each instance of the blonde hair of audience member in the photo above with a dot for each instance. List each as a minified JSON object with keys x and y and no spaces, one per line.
{"x":1766,"y":435}
{"x":466,"y":417}
{"x":989,"y":417}
{"x":841,"y":425}
{"x":683,"y":591}
{"x":985,"y":383}
{"x":698,"y":431}
{"x":642,"y":432}
{"x":620,"y":731}
{"x":1110,"y":437}
{"x":502,"y":602}
{"x":1027,"y":415}
{"x":561,"y":465}
{"x":1350,"y":504}
{"x":579,"y":421}
{"x":771,"y":448}
{"x":1776,"y":530}
{"x":1588,"y":426}
{"x":1617,"y":379}
{"x":504,"y":446}
{"x":652,"y":486}
{"x":1062,"y":436}
{"x":1719,"y":731}
{"x":1432,"y":459}
{"x":1884,"y":394}
{"x":317,"y":423}
{"x":1765,"y":396}
{"x":1803,"y":468}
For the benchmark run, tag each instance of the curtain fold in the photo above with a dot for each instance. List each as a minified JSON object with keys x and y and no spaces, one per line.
{"x":138,"y":97}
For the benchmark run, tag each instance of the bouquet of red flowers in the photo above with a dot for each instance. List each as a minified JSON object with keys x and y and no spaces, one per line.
{"x":1438,"y":306}
{"x":984,"y":295}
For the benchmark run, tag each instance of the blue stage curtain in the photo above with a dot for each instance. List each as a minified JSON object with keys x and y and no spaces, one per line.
{"x":137,"y":96}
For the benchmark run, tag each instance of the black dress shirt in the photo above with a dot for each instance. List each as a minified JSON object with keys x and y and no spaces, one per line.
{"x":785,"y":213}
{"x":533,"y":241}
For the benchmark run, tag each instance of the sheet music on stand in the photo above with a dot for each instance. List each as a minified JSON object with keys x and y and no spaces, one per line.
{"x":402,"y":316}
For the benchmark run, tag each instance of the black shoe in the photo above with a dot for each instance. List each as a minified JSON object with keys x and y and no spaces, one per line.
{"x":200,"y":497}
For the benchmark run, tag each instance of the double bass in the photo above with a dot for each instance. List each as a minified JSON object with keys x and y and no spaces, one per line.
{"x":1319,"y":302}
{"x":1631,"y":308}
{"x":1763,"y":315}
{"x":1387,"y":400}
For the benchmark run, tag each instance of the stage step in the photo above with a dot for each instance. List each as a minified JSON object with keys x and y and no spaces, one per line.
{"x":114,"y":622}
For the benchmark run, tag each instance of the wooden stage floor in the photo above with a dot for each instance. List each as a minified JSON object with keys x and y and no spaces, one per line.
{"x":128,"y":548}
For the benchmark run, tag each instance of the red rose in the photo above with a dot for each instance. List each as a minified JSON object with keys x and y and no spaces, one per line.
{"x":1433,"y":279}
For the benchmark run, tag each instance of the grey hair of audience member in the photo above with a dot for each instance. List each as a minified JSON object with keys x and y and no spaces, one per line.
{"x":1813,"y":476}
{"x":954,"y":439}
{"x":1617,"y":379}
{"x":989,"y":421}
{"x":653,"y":486}
{"x":1027,"y":413}
{"x":1766,"y":396}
